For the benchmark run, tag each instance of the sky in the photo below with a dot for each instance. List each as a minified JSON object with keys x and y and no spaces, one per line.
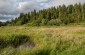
{"x":12,"y":8}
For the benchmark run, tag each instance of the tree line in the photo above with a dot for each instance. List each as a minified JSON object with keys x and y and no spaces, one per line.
{"x":52,"y":16}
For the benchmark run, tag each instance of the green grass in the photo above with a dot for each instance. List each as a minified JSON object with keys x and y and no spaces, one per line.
{"x":62,"y":40}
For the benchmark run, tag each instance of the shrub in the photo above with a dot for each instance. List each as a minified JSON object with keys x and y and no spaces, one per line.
{"x":55,"y":22}
{"x":2,"y":43}
{"x":34,"y":23}
{"x":43,"y":22}
{"x":16,"y":40}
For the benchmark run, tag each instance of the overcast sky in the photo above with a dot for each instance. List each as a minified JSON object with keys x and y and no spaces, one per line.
{"x":12,"y":8}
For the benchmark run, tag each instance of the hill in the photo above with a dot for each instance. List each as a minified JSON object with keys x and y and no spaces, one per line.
{"x":61,"y":15}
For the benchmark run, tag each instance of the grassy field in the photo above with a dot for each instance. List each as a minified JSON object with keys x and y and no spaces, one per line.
{"x":62,"y":40}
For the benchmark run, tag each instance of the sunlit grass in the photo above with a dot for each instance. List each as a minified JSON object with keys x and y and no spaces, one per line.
{"x":66,"y":40}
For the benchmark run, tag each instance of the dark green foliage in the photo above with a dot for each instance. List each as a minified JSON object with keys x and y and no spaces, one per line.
{"x":17,"y":40}
{"x":3,"y":24}
{"x":14,"y":41}
{"x":43,"y":51}
{"x":66,"y":14}
{"x":3,"y":43}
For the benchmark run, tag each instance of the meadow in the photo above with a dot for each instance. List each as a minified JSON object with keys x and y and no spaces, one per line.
{"x":61,"y":40}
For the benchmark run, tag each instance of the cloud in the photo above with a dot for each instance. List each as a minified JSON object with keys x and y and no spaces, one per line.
{"x":26,"y":6}
{"x":42,"y":0}
{"x":12,"y":8}
{"x":8,"y":7}
{"x":61,"y":2}
{"x":30,"y":5}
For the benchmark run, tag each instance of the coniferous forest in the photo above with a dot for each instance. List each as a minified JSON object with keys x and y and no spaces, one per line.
{"x":61,"y":15}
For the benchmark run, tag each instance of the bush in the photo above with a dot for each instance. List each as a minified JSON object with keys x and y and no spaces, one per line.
{"x":14,"y":41}
{"x":34,"y":23}
{"x":2,"y":43}
{"x":56,"y":22}
{"x":44,"y":22}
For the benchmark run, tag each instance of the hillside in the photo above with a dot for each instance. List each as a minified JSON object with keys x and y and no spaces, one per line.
{"x":54,"y":16}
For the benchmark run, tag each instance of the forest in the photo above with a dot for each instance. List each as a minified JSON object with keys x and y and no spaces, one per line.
{"x":54,"y":16}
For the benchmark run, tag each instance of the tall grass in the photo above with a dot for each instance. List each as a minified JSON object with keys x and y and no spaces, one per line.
{"x":13,"y":40}
{"x":42,"y":41}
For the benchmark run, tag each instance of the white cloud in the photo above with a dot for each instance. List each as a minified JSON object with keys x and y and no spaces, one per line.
{"x":26,"y":6}
{"x":42,"y":0}
{"x":61,"y":2}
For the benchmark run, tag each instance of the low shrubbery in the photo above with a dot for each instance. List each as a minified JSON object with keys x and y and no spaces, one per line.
{"x":56,"y":22}
{"x":14,"y":40}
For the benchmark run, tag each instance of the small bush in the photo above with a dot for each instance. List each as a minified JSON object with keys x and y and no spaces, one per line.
{"x":43,"y":22}
{"x":34,"y":23}
{"x":56,"y":22}
{"x":14,"y":40}
{"x":2,"y":43}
